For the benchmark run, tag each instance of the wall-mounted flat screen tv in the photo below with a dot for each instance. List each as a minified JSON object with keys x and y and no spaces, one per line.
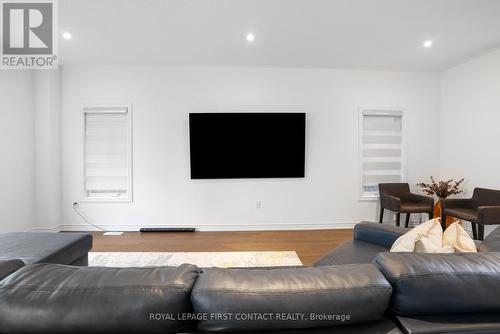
{"x":247,"y":145}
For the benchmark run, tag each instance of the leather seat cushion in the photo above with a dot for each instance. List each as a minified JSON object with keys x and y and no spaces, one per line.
{"x":414,"y":207}
{"x":350,"y":252}
{"x":466,"y":214}
{"x":36,"y":247}
{"x":51,"y":298}
{"x":333,"y":290}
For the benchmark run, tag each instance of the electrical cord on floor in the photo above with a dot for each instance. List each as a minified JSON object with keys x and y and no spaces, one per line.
{"x":87,"y":220}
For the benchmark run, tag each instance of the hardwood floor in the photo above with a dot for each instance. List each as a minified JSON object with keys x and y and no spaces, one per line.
{"x":309,"y":245}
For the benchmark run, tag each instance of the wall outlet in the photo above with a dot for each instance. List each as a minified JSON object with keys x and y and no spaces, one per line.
{"x":258,"y":204}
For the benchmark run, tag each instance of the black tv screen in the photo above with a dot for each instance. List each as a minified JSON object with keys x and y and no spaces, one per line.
{"x":247,"y":145}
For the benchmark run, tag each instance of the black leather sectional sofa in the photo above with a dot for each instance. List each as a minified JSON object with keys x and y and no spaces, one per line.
{"x":358,"y":288}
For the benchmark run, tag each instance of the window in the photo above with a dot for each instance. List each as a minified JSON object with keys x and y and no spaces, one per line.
{"x":381,"y":149}
{"x":107,"y":154}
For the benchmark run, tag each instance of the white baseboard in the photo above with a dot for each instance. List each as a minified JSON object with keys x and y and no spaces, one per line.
{"x":216,"y":227}
{"x":53,"y":229}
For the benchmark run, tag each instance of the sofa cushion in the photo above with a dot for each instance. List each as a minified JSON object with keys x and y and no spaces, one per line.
{"x":10,"y":266}
{"x":50,"y":298}
{"x":492,"y":242}
{"x":433,"y":284}
{"x":282,"y":299}
{"x":352,"y":252}
{"x":36,"y":247}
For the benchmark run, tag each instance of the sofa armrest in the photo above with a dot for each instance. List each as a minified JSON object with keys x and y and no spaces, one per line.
{"x":457,"y":203}
{"x":422,"y":199}
{"x":390,"y":202}
{"x":379,"y":234}
{"x":463,"y":323}
{"x":8,"y":267}
{"x":492,"y":242}
{"x":465,"y":283}
{"x":489,"y":215}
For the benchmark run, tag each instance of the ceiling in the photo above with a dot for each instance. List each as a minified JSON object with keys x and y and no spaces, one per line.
{"x":353,"y":34}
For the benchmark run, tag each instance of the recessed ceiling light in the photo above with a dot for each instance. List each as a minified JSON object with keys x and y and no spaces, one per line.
{"x":250,"y":38}
{"x":427,"y":44}
{"x":66,"y":35}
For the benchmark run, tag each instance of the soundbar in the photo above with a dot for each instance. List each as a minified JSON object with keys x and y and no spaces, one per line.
{"x":167,"y":229}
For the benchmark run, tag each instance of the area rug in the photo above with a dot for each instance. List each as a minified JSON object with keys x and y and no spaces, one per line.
{"x":201,"y":259}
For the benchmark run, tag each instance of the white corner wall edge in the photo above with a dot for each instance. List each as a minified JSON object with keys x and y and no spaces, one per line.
{"x":205,"y":227}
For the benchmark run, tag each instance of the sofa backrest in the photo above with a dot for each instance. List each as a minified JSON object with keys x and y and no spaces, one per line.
{"x":51,"y":298}
{"x":440,"y":284}
{"x":485,"y":197}
{"x":379,"y":234}
{"x":290,"y":298}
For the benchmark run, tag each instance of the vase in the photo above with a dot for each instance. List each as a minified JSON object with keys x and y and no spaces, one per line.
{"x":438,"y":211}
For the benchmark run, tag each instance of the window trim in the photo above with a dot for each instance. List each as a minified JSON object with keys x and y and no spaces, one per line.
{"x":404,"y":148}
{"x":107,"y":108}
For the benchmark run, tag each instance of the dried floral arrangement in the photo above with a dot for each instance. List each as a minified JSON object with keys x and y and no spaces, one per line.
{"x":442,"y":189}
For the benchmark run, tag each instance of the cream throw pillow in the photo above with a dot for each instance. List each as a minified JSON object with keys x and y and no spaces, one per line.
{"x":456,"y":238}
{"x":425,"y":238}
{"x":432,"y":245}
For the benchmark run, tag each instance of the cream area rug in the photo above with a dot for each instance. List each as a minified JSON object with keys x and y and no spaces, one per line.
{"x":201,"y":259}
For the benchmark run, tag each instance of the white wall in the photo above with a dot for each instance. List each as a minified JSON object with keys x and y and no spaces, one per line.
{"x":48,"y":177}
{"x":470,"y":119}
{"x":39,"y":197}
{"x":162,"y":97}
{"x":17,"y":170}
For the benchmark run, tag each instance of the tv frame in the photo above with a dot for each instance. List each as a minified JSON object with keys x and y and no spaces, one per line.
{"x":248,"y":177}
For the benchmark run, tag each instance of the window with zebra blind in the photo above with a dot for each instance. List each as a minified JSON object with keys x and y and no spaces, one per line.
{"x":107,"y":153}
{"x":381,"y":149}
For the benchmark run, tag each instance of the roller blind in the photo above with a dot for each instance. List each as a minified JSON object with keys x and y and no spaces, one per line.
{"x":382,"y":149}
{"x":107,"y":167}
